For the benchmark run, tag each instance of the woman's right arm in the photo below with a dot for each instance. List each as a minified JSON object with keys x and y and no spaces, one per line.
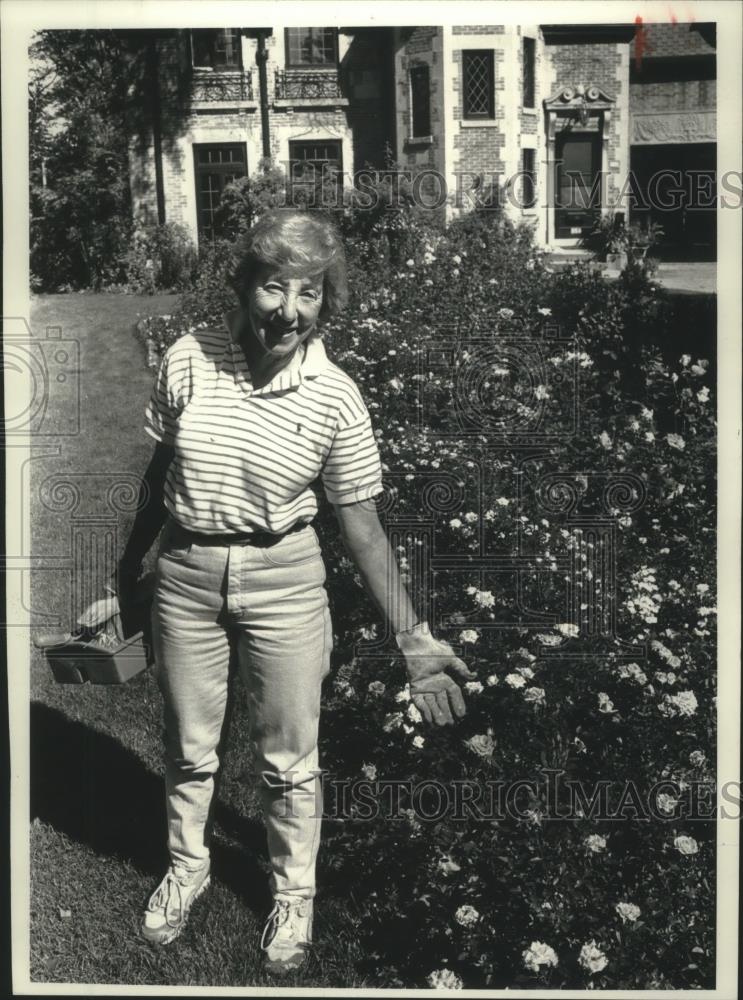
{"x":149,"y":519}
{"x":148,"y":522}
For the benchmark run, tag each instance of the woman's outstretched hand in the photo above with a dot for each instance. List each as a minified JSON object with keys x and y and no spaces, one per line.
{"x":434,"y":693}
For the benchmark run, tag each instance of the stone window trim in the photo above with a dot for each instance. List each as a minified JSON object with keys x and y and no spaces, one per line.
{"x":480,"y":123}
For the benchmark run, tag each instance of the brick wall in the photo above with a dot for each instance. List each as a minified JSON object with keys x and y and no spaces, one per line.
{"x":676,"y":95}
{"x":479,"y":148}
{"x":417,"y":46}
{"x":664,"y":40}
{"x":600,"y":64}
{"x":360,"y":119}
{"x":478,"y":29}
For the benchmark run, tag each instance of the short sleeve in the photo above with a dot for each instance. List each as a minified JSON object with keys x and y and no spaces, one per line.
{"x":169,"y":395}
{"x":353,"y":469}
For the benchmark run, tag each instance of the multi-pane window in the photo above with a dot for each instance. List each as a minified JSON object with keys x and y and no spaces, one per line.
{"x":528,"y":178}
{"x":478,"y":89}
{"x":420,"y":99}
{"x":311,"y":160}
{"x":311,"y":47}
{"x":215,"y":166}
{"x":216,"y":48}
{"x":528,"y":51}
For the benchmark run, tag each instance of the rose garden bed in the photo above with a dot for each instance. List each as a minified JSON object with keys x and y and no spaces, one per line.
{"x":550,"y":451}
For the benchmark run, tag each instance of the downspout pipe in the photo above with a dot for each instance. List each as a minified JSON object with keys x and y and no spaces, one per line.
{"x":262,"y":59}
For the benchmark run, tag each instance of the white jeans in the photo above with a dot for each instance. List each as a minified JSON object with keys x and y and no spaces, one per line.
{"x":271,"y":601}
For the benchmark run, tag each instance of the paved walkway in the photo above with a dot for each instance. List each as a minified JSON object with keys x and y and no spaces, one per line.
{"x":693,"y":278}
{"x":686,"y":277}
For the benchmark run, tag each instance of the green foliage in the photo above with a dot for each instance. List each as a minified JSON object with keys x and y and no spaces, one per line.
{"x":161,"y":258}
{"x":80,"y":206}
{"x":91,"y":93}
{"x":245,"y":199}
{"x":209,"y":296}
{"x":79,"y":220}
{"x":611,"y":235}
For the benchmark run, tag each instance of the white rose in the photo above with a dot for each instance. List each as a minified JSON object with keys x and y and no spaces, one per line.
{"x":685,"y":845}
{"x":628,"y":912}
{"x":595,"y":843}
{"x":592,"y":958}
{"x":444,"y":979}
{"x":535,"y":695}
{"x":413,"y":714}
{"x":393,"y":721}
{"x":538,"y":954}
{"x":515,"y":680}
{"x":466,"y":915}
{"x":468,"y":635}
{"x":606,"y":705}
{"x":483,"y":745}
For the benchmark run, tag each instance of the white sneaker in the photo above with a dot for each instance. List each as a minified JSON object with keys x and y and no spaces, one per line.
{"x":170,"y":904}
{"x":287,"y":935}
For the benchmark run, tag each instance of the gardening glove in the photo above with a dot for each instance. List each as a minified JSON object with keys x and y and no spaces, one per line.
{"x":436,"y":695}
{"x":119,"y":593}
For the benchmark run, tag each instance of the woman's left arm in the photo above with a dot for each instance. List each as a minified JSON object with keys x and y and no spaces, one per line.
{"x":436,"y":695}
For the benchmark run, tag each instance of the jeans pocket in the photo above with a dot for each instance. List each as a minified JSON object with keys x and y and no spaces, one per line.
{"x":294,"y":549}
{"x":174,"y":544}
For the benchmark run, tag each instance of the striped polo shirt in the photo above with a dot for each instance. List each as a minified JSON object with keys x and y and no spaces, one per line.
{"x":246,"y":459}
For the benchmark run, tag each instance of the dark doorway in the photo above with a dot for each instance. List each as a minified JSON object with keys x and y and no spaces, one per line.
{"x":577,"y":182}
{"x":675,"y":185}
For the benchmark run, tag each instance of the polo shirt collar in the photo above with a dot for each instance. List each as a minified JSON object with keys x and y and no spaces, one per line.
{"x":314,"y":362}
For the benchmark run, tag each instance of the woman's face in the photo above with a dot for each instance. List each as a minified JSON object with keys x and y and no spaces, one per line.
{"x":283,"y":310}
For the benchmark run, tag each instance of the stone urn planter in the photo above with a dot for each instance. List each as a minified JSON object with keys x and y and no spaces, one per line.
{"x":616,"y":261}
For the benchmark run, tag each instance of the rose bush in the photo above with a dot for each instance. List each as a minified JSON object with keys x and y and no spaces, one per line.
{"x":554,"y":461}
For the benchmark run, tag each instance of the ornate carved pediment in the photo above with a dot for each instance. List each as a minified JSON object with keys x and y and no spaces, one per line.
{"x":591,"y":97}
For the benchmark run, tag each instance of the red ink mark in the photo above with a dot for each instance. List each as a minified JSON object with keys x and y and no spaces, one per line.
{"x":642,"y":42}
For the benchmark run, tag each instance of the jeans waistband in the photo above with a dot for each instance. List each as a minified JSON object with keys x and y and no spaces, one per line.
{"x":261,"y":538}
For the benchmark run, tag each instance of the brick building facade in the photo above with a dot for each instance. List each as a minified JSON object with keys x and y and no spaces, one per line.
{"x":574,"y":120}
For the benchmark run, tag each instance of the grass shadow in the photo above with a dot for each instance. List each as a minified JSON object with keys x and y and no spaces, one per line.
{"x":93,"y":789}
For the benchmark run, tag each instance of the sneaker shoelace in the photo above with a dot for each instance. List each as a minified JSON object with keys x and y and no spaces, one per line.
{"x":170,"y":889}
{"x":278,"y":917}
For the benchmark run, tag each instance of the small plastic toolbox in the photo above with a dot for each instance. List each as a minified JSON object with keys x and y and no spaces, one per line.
{"x":113,"y":655}
{"x":79,"y":660}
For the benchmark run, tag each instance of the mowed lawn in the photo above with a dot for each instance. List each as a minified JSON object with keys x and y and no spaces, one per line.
{"x":97,"y":807}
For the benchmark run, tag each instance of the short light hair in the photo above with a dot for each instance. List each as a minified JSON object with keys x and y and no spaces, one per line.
{"x":296,"y":243}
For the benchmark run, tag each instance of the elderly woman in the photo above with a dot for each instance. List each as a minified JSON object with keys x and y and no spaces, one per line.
{"x":246,"y":418}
